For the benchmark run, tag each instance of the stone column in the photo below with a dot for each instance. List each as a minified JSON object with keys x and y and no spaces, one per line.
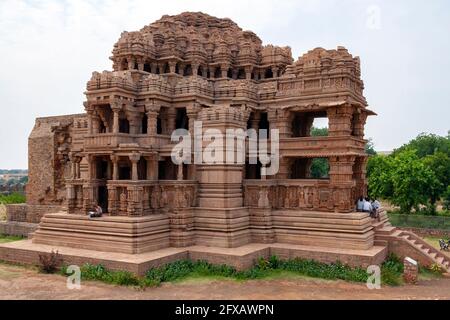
{"x":340,"y":120}
{"x":115,"y":167}
{"x":116,"y":109}
{"x":152,"y":167}
{"x":224,"y":71}
{"x":212,"y":72}
{"x":171,"y":120}
{"x":281,"y":120}
{"x":180,"y":172}
{"x":194,"y":67}
{"x":359,"y":120}
{"x":172,"y":66}
{"x":131,"y":62}
{"x":134,"y":158}
{"x":341,"y":180}
{"x":248,"y":72}
{"x":91,"y":168}
{"x":152,"y":112}
{"x":77,"y":168}
{"x":254,"y":121}
{"x":275,"y":71}
{"x":90,"y":127}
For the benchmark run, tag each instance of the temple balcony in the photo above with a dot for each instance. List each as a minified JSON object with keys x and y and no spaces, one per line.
{"x":140,"y":198}
{"x":300,"y":194}
{"x":321,"y":146}
{"x":113,"y":140}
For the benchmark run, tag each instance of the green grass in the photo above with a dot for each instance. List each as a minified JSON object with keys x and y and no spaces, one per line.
{"x":13,"y":198}
{"x":5,"y":238}
{"x":420,"y":221}
{"x":273,"y":268}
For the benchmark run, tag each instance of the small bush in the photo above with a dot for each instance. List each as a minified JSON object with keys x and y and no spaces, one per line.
{"x":436,"y":268}
{"x":50,"y":262}
{"x":391,"y":271}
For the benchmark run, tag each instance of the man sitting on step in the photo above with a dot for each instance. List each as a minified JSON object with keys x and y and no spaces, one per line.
{"x":97,"y":213}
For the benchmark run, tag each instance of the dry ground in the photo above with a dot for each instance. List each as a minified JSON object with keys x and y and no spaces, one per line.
{"x":26,"y":283}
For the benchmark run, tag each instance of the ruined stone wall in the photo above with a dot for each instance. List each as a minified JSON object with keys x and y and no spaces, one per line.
{"x":29,"y":213}
{"x":48,"y":159}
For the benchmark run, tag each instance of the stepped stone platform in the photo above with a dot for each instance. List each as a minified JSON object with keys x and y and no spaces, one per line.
{"x":27,"y":252}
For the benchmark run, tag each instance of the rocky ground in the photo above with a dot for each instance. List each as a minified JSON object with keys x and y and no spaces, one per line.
{"x":26,"y":283}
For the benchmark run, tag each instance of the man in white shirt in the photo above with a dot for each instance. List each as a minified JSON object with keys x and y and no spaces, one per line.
{"x":367,"y":207}
{"x":360,"y":204}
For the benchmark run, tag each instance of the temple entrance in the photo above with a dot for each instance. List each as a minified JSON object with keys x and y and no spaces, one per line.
{"x":103,"y":198}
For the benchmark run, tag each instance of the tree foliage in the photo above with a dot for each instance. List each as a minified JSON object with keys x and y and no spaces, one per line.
{"x":416,"y":174}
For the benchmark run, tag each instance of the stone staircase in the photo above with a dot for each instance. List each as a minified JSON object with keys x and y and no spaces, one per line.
{"x":406,"y":243}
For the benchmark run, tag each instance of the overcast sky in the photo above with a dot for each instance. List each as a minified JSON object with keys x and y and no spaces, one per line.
{"x":48,"y":50}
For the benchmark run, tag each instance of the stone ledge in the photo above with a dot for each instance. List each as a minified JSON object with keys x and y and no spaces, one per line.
{"x":26,"y":252}
{"x":15,"y":228}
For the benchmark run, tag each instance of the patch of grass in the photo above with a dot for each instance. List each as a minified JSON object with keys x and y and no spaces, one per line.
{"x":413,"y":220}
{"x":5,"y":238}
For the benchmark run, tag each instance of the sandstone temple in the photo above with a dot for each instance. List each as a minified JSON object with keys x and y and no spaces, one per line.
{"x":195,"y":67}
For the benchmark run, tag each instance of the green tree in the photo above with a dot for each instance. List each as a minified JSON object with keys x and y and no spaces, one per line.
{"x":370,"y":148}
{"x":427,"y":144}
{"x":412,"y":181}
{"x":439,"y":163}
{"x":320,"y":168}
{"x":319,"y":132}
{"x":379,"y":176}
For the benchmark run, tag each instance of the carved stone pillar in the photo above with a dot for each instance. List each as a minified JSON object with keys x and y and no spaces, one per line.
{"x":194,"y":67}
{"x":134,"y":158}
{"x":275,"y":71}
{"x":171,"y":120}
{"x":152,"y":167}
{"x":224,"y":70}
{"x":152,"y":112}
{"x":172,"y":66}
{"x":248,"y":72}
{"x":254,"y":120}
{"x":113,"y":203}
{"x":180,"y":172}
{"x":281,"y":120}
{"x":116,"y":109}
{"x":359,"y":121}
{"x":341,"y":180}
{"x":340,"y":120}
{"x":115,"y":167}
{"x":135,"y":120}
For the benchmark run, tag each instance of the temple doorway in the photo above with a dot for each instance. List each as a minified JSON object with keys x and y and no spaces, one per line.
{"x":103,"y":198}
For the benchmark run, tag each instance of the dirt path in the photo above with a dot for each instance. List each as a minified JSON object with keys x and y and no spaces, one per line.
{"x":25,"y":283}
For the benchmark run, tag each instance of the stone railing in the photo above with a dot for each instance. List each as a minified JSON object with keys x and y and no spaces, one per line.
{"x":102,"y":140}
{"x":305,"y":146}
{"x":139,"y":198}
{"x":305,"y":194}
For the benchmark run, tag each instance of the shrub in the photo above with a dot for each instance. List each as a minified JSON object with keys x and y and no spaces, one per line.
{"x":50,"y":262}
{"x":13,"y":198}
{"x":436,"y":268}
{"x":392,"y":270}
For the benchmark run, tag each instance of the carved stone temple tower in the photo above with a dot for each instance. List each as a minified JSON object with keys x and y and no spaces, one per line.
{"x":172,"y":74}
